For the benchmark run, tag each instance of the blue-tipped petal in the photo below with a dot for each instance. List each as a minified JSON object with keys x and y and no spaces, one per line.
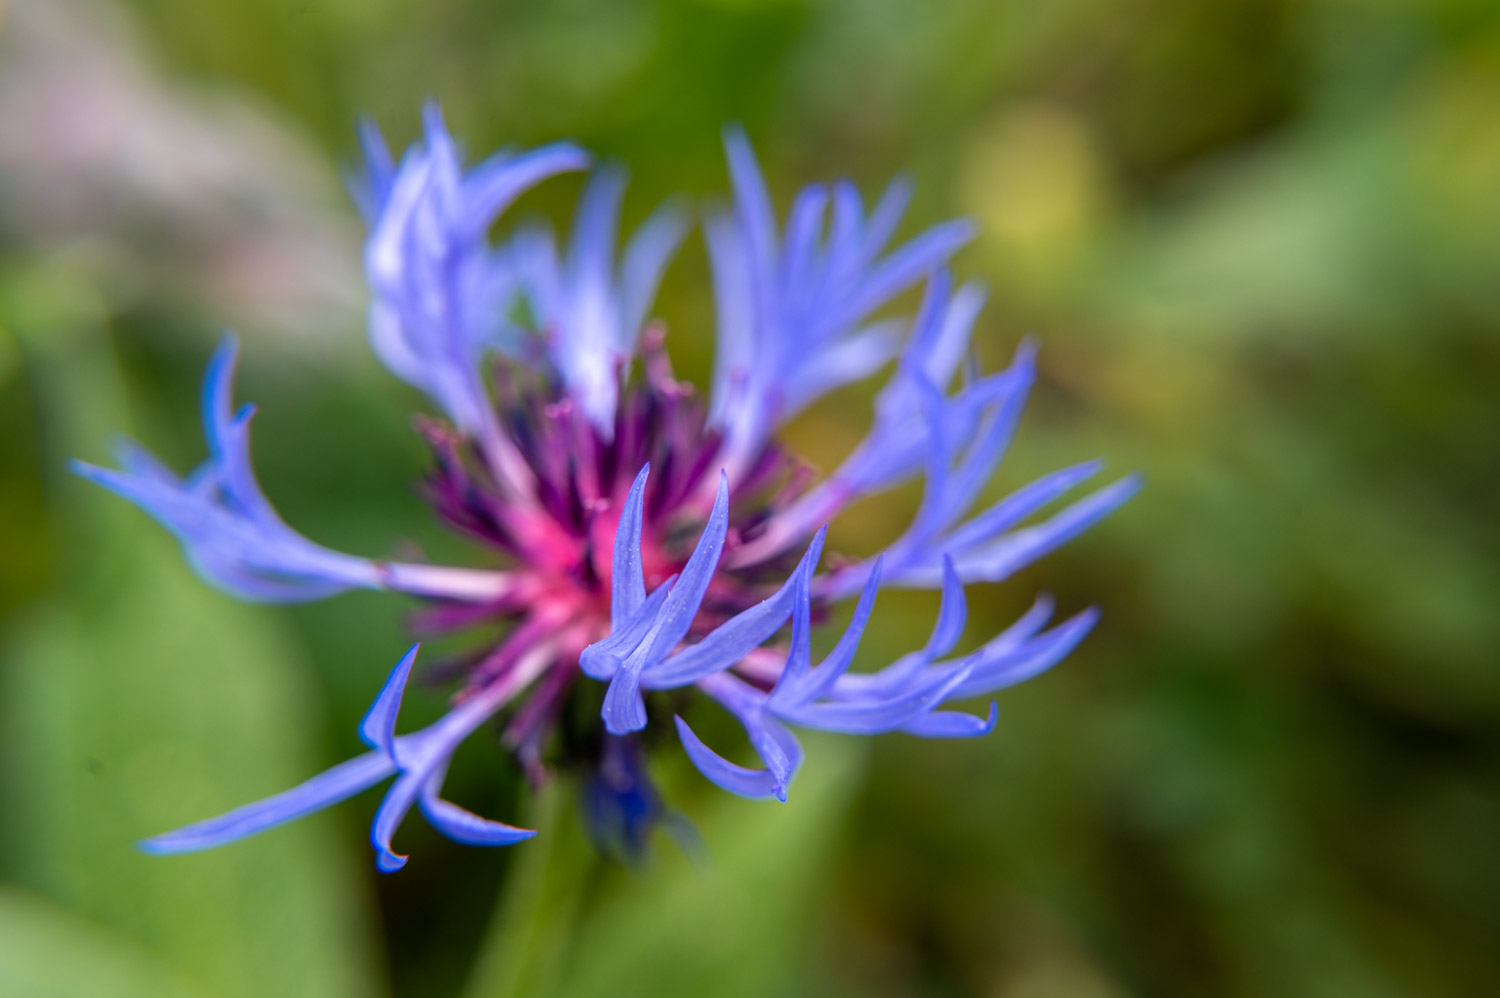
{"x":790,"y":304}
{"x":952,"y":613}
{"x":799,"y":648}
{"x":439,"y":292}
{"x":816,"y":683}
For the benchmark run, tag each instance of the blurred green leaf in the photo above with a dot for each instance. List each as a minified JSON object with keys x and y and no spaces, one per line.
{"x":48,"y":952}
{"x":140,"y":699}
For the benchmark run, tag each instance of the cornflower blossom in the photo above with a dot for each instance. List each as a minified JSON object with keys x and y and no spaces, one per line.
{"x":645,"y":542}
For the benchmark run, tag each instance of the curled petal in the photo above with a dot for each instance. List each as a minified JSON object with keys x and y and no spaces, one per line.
{"x":953,"y":724}
{"x":462,"y":825}
{"x":465,"y":826}
{"x":757,"y":784}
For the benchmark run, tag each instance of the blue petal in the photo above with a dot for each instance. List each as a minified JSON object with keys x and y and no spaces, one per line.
{"x":371,"y":190}
{"x":992,"y":439}
{"x":794,"y":689}
{"x":628,"y":580}
{"x":1020,"y":504}
{"x":751,"y":199}
{"x":953,"y":724}
{"x":600,"y":659}
{"x":884,"y":219}
{"x":438,"y":298}
{"x":591,"y":256}
{"x":799,"y":648}
{"x":757,"y":784}
{"x":869,"y":717}
{"x":802,"y":232}
{"x":378,"y":729}
{"x":462,"y":825}
{"x":736,"y":637}
{"x":393,"y":810}
{"x":734,"y":314}
{"x":905,"y":267}
{"x":624,"y":711}
{"x":229,"y":531}
{"x":777,"y":747}
{"x":339,"y":783}
{"x":993,"y":670}
{"x":1014,"y":551}
{"x":646,"y":257}
{"x":468,"y":828}
{"x":952,"y":613}
{"x":495,"y":183}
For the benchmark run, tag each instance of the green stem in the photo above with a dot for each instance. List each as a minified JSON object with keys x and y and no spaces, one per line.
{"x":532,"y":929}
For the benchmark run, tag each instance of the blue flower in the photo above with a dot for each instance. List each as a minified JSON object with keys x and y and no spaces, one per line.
{"x":646,"y":541}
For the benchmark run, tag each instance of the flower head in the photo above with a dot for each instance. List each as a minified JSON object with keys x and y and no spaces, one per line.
{"x":645,"y":542}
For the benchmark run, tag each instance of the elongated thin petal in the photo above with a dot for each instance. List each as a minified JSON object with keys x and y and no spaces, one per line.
{"x":818,"y":682}
{"x":339,"y":783}
{"x":876,"y":716}
{"x":756,"y":784}
{"x":1014,"y":551}
{"x":953,"y":724}
{"x":462,"y":825}
{"x":992,"y":672}
{"x":646,"y":258}
{"x":1020,"y":504}
{"x":600,"y":659}
{"x":777,"y":747}
{"x":790,"y":309}
{"x":465,"y":826}
{"x":628,"y":580}
{"x":378,"y":729}
{"x":736,"y":637}
{"x":799,"y":648}
{"x":494,"y":184}
{"x":623,"y":710}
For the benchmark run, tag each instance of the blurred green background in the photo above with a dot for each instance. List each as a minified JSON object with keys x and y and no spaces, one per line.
{"x":1260,"y":243}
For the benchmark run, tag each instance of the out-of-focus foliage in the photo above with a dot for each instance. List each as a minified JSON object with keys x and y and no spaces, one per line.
{"x":1260,"y":243}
